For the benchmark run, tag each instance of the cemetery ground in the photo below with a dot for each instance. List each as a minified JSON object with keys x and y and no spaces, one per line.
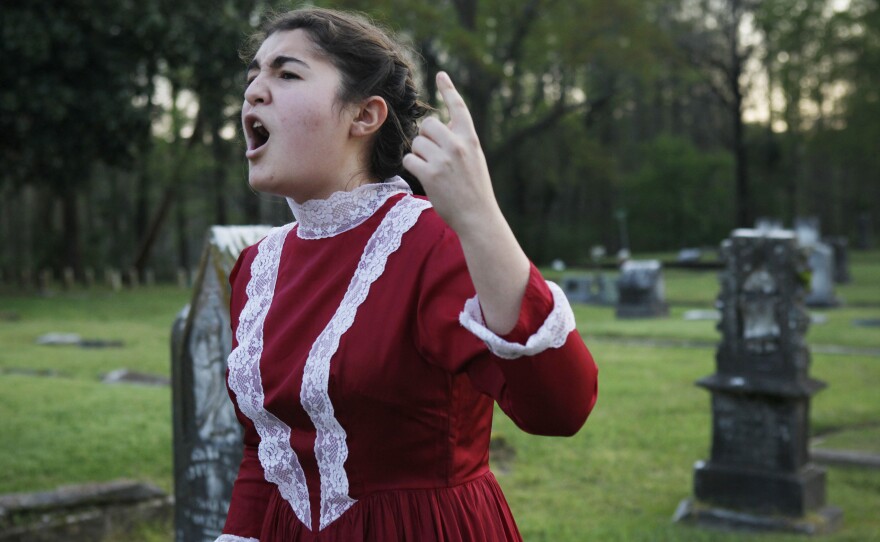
{"x":619,"y":479}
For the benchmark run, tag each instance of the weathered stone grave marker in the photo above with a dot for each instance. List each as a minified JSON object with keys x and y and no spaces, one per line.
{"x":759,"y":475}
{"x":577,"y":288}
{"x":207,"y":436}
{"x":840,"y":248}
{"x":821,"y":263}
{"x":640,"y":290}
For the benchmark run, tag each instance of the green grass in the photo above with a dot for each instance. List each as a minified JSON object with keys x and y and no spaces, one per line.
{"x":70,"y":428}
{"x":619,"y":479}
{"x":622,"y":476}
{"x":61,"y":431}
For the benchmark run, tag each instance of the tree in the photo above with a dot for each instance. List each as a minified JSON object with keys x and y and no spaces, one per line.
{"x":75,"y":88}
{"x":202,"y":56}
{"x":525,"y":68}
{"x":716,"y":46}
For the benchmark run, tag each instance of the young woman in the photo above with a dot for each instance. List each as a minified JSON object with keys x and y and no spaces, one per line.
{"x":373,"y":334}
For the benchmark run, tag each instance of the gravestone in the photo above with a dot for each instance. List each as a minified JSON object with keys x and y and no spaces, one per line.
{"x":207,"y":436}
{"x":689,"y":255}
{"x":127,"y":376}
{"x":759,"y":475}
{"x":577,"y":288}
{"x":640,"y":290}
{"x":821,"y":263}
{"x":864,"y":232}
{"x":840,"y":248}
{"x":767,"y":224}
{"x":595,"y":289}
{"x":806,"y":229}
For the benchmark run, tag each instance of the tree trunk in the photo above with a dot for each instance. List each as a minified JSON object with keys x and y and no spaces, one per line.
{"x":168,"y":197}
{"x":219,"y":183}
{"x":183,"y":251}
{"x":141,"y":204}
{"x":743,"y":211}
{"x":70,"y":223}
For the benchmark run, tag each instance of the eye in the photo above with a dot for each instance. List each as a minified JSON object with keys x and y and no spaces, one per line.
{"x":290,"y":75}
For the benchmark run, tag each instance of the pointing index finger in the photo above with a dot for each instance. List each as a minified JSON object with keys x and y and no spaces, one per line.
{"x":459,"y":115}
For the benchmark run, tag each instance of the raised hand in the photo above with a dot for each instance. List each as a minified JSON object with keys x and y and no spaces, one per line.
{"x":449,"y":162}
{"x":451,"y":166}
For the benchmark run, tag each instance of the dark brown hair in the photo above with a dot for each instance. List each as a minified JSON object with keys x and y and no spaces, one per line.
{"x":371,"y":63}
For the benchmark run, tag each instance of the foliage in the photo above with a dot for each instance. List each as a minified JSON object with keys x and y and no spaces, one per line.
{"x":572,"y":101}
{"x":679,"y":195}
{"x":75,"y":84}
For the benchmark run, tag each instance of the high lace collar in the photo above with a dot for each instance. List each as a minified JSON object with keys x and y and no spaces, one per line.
{"x":343,"y":211}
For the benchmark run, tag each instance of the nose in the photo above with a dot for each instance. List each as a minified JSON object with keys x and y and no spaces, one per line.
{"x":257,"y":92}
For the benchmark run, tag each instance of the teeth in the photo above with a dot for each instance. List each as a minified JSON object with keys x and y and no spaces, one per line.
{"x":258,"y":124}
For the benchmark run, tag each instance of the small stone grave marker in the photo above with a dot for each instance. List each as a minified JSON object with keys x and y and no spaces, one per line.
{"x":697,"y":315}
{"x":641,"y":291}
{"x":866,"y":322}
{"x":127,"y":376}
{"x":821,"y":261}
{"x":74,"y":339}
{"x":689,"y":255}
{"x":59,"y":339}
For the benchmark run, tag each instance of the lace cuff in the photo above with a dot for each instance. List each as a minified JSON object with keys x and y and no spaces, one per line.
{"x":233,"y":538}
{"x":552,"y":333}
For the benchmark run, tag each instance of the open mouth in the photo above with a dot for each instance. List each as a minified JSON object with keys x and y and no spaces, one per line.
{"x":256,"y":134}
{"x":260,"y":134}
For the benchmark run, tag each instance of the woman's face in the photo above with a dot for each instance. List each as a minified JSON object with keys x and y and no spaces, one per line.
{"x":298,"y":135}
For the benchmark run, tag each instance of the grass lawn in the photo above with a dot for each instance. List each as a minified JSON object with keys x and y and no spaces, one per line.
{"x":619,"y":479}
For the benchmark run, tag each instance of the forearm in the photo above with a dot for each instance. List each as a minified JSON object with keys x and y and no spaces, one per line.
{"x":498,"y":268}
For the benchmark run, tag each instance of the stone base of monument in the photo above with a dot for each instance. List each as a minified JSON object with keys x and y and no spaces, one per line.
{"x":761,"y":491}
{"x":82,"y":512}
{"x":821,"y":521}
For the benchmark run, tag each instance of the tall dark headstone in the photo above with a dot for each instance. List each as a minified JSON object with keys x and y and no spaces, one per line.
{"x":207,"y":437}
{"x":864,"y":232}
{"x":640,"y":290}
{"x":759,"y":475}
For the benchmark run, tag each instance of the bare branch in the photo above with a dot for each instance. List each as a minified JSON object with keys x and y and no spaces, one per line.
{"x":559,"y":111}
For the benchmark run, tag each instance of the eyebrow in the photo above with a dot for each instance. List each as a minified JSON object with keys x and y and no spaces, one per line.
{"x":279,"y":61}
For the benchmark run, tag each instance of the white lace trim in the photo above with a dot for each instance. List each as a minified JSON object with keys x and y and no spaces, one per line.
{"x":279,"y":461}
{"x":233,"y":538}
{"x":331,"y":449}
{"x":552,"y":333}
{"x":343,"y":211}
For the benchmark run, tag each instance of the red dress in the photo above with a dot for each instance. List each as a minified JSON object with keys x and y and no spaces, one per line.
{"x":365,"y":384}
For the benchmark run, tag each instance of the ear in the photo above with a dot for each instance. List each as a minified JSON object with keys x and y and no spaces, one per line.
{"x":370,"y":117}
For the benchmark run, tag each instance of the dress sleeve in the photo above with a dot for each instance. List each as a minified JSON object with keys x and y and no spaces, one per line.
{"x":251,"y":491}
{"x":541,"y":373}
{"x":250,"y":494}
